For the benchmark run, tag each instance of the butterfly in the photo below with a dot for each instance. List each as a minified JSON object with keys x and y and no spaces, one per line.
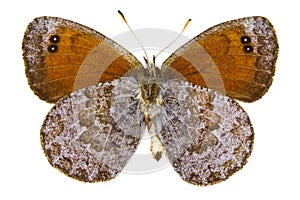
{"x":105,"y":98}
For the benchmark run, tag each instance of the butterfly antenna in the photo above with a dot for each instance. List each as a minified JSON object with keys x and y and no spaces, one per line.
{"x":186,"y":24}
{"x":123,"y":18}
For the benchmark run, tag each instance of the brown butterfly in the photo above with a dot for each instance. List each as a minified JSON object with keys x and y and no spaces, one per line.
{"x":105,"y":98}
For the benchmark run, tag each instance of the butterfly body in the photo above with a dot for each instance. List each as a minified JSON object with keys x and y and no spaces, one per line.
{"x":105,"y":98}
{"x":151,"y":103}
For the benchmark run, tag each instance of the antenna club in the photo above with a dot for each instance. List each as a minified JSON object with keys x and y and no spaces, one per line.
{"x":122,"y":16}
{"x":186,"y":24}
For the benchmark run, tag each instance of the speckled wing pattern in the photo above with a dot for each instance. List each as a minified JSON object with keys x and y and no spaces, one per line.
{"x":91,"y":134}
{"x":206,"y":135}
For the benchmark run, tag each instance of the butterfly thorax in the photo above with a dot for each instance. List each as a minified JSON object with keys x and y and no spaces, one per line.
{"x":150,"y":100}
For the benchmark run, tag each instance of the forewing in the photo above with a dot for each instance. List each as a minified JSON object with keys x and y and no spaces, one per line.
{"x":62,"y":56}
{"x":236,"y":58}
{"x":207,"y":136}
{"x":91,"y":134}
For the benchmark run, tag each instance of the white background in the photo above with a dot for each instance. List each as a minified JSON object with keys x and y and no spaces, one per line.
{"x":273,"y":168}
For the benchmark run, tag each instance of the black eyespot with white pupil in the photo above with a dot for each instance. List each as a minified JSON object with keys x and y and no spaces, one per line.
{"x":54,"y":39}
{"x":248,"y":49}
{"x":245,"y":40}
{"x":52,"y":48}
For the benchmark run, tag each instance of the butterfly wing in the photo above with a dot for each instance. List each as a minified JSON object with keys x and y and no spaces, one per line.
{"x":62,"y":56}
{"x":206,"y":136}
{"x":236,"y":57}
{"x":91,"y":134}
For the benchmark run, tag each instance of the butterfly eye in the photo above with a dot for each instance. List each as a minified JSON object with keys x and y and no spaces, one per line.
{"x":248,"y":49}
{"x":54,"y":39}
{"x":245,"y":40}
{"x":52,"y":48}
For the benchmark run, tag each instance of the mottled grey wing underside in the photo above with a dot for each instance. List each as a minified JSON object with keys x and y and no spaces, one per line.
{"x":91,"y":134}
{"x":207,"y":136}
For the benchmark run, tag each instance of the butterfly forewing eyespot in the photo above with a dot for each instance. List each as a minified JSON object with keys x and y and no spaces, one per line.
{"x":54,"y":39}
{"x":245,"y":39}
{"x":53,"y":48}
{"x":248,"y":49}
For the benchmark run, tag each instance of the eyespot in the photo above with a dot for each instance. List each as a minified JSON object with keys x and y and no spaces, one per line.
{"x":248,"y":49}
{"x":52,"y":48}
{"x":54,"y":39}
{"x":245,"y":39}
